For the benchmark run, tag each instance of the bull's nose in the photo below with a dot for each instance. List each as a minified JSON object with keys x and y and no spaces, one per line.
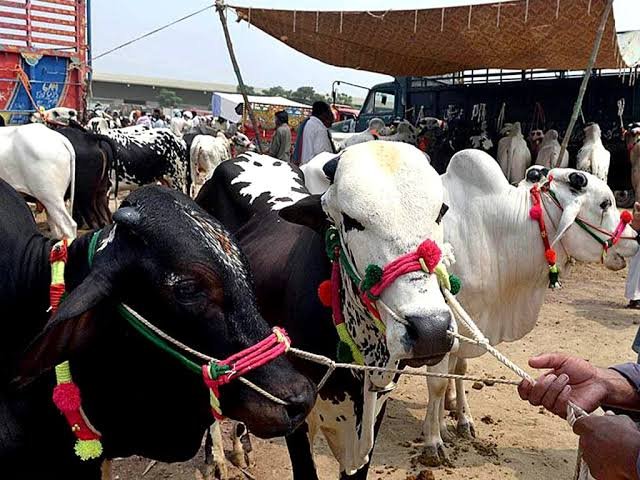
{"x":427,"y":334}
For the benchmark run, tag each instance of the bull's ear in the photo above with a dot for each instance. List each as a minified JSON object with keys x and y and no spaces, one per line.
{"x":307,"y":212}
{"x":68,"y":331}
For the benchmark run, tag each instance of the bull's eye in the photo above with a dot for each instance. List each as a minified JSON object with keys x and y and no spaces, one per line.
{"x":186,"y":290}
{"x":351,"y":223}
{"x":443,"y":210}
{"x":605,"y":204}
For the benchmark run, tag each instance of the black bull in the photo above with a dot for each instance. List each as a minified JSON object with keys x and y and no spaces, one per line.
{"x":288,"y":262}
{"x":175,"y":265}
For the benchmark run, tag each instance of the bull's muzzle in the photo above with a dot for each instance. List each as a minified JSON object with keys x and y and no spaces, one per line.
{"x":429,"y":338}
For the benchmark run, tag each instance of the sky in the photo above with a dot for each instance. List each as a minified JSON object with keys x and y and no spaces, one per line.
{"x":195,"y":49}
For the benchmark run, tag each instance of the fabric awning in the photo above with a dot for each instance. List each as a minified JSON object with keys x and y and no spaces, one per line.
{"x":523,"y":34}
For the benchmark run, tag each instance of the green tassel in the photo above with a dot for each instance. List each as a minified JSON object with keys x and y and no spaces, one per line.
{"x":554,"y":277}
{"x":331,"y":241}
{"x":88,"y":449}
{"x":344,"y":354}
{"x":372,"y":275}
{"x":456,"y":284}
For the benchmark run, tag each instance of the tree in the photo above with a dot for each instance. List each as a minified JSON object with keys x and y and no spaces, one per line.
{"x":277,"y":92}
{"x":307,"y":95}
{"x":168,"y":98}
{"x":250,"y":90}
{"x":344,"y":99}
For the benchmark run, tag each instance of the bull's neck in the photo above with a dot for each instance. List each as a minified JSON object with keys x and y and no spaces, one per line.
{"x":362,"y":328}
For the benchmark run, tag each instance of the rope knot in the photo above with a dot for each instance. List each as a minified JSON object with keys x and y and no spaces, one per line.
{"x":217,"y":370}
{"x":282,"y":337}
{"x":332,"y":243}
{"x":59,"y":252}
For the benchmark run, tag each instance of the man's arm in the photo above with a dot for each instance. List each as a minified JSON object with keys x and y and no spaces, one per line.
{"x":274,"y":149}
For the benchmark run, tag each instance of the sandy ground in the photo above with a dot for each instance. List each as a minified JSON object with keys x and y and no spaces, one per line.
{"x":514,"y":440}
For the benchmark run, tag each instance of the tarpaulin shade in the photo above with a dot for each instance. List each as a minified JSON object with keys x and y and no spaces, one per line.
{"x":524,"y":34}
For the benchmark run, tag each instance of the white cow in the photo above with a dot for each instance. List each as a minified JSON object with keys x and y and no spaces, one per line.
{"x":40,"y":162}
{"x":503,"y":270}
{"x":405,"y":132}
{"x":57,"y":115}
{"x":593,"y":157}
{"x":550,"y":151}
{"x":514,"y":156}
{"x":207,"y":152}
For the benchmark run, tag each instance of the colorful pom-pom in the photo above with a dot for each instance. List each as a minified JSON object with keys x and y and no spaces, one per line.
{"x":536,"y":212}
{"x":430,"y":252}
{"x":372,"y":275}
{"x":626,"y":217}
{"x":456,"y":284}
{"x":66,"y":396}
{"x":551,"y":257}
{"x":324,"y":293}
{"x":88,"y":449}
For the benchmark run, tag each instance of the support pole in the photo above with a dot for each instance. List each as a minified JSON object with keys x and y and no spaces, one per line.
{"x":220,"y":7}
{"x":577,"y":107}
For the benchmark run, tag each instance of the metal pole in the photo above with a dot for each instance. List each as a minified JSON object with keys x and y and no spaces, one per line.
{"x":220,"y":7}
{"x":577,"y":107}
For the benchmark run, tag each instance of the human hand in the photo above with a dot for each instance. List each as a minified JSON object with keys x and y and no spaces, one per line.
{"x":610,"y":446}
{"x":570,"y":378}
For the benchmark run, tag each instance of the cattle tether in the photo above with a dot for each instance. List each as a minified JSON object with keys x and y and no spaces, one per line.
{"x":174,"y":264}
{"x":289,"y":263}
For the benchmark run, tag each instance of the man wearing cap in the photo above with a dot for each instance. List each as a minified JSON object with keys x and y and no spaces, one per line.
{"x":281,"y":143}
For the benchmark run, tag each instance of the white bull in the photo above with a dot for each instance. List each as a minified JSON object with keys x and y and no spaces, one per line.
{"x":40,"y":162}
{"x":503,"y":269}
{"x":207,"y":152}
{"x":593,"y":157}
{"x":514,"y":156}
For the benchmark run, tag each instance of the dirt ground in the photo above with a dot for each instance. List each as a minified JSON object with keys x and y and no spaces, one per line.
{"x":514,"y":440}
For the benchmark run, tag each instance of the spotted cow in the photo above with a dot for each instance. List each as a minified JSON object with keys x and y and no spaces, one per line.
{"x":377,"y":190}
{"x":150,"y":156}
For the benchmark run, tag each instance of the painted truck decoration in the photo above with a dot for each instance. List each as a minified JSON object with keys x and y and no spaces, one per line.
{"x":43,"y":56}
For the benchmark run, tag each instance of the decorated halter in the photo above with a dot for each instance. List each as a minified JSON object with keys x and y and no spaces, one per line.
{"x":216,"y":373}
{"x":550,"y":254}
{"x":426,"y":258}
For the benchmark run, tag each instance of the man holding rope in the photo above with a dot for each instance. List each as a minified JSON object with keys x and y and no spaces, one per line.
{"x":610,"y":444}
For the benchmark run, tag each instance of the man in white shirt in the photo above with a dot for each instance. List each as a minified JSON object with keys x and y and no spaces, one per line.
{"x":315,"y":133}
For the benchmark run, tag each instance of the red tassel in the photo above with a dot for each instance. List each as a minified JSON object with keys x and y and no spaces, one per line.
{"x":66,"y":396}
{"x":430,"y":253}
{"x":536,"y":212}
{"x":626,"y":217}
{"x":550,"y":255}
{"x":324,"y":293}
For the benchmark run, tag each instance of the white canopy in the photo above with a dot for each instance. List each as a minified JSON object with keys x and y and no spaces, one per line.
{"x":224,"y":104}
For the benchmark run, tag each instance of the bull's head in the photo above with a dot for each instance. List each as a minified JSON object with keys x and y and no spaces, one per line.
{"x":385,"y":200}
{"x":583,"y":195}
{"x":176,"y":266}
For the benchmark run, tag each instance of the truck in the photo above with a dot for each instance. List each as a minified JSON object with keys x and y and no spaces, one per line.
{"x":527,"y":96}
{"x":44,"y":62}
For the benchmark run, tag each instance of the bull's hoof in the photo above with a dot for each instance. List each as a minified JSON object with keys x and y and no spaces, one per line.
{"x":434,"y":456}
{"x":447,"y":433}
{"x":466,"y":430}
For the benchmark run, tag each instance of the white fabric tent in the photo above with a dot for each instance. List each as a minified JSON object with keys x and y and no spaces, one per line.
{"x":224,"y":104}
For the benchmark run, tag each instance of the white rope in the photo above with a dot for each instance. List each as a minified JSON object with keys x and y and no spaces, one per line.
{"x":317,"y":21}
{"x":442,"y":21}
{"x":294,"y":20}
{"x":589,"y":8}
{"x":200,"y":355}
{"x":415,"y":22}
{"x":469,"y":19}
{"x":341,"y":20}
{"x":557,"y":8}
{"x":526,"y":12}
{"x":498,"y":16}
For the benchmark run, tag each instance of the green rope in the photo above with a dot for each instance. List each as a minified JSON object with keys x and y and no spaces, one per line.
{"x":140,"y":327}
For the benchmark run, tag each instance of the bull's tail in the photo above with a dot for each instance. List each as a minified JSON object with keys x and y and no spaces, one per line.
{"x":190,"y":171}
{"x":72,"y":172}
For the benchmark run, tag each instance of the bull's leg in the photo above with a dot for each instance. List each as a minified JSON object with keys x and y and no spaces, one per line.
{"x":301,"y":455}
{"x":60,"y":222}
{"x":242,"y":450}
{"x":450,"y":396}
{"x":434,"y":427}
{"x":364,"y":471}
{"x":465,"y":428}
